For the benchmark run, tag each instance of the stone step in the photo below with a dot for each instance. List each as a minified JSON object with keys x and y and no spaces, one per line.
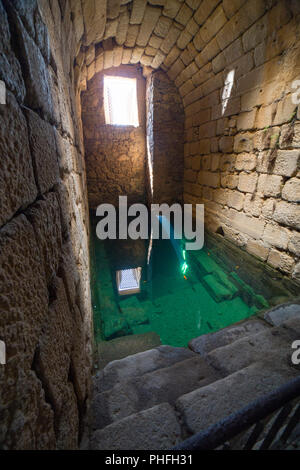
{"x":119,"y":348}
{"x":273,"y":344}
{"x":282,"y":313}
{"x":207,"y":405}
{"x":138,"y":365}
{"x":153,"y":429}
{"x":138,"y":393}
{"x":207,"y":343}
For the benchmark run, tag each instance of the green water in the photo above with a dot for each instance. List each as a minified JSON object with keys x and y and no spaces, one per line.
{"x":178,"y":301}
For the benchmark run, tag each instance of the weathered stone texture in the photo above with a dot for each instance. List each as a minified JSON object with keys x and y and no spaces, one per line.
{"x":17,"y":183}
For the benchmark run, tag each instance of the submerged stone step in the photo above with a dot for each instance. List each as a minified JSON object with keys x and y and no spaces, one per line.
{"x":138,"y":393}
{"x":208,"y":405}
{"x":153,"y":429}
{"x":207,"y":343}
{"x":138,"y":365}
{"x":119,"y":348}
{"x":218,"y":291}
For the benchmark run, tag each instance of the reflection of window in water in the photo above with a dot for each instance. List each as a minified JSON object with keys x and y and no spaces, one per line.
{"x":228,"y":84}
{"x":128,"y":281}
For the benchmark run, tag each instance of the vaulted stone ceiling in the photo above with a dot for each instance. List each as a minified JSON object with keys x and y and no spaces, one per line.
{"x":178,"y":36}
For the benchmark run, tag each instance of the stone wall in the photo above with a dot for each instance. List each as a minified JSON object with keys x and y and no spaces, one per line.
{"x":165,"y":134}
{"x":198,"y":43}
{"x":242,"y":154}
{"x":115,"y":155}
{"x":45,"y":314}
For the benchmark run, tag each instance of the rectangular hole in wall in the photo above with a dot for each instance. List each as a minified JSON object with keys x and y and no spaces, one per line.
{"x":120,"y":101}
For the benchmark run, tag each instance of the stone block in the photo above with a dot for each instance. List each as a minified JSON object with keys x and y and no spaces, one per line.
{"x":235,"y":199}
{"x":245,"y":161}
{"x":226,"y":144}
{"x":171,"y":8}
{"x":276,"y":236}
{"x":17,"y":182}
{"x":270,"y":185}
{"x":149,"y":22}
{"x":248,"y":225}
{"x":44,"y":216}
{"x":209,"y":179}
{"x":287,"y":214}
{"x":44,"y":152}
{"x":247,"y":182}
{"x":154,"y":428}
{"x":243,"y":143}
{"x":10,"y":68}
{"x":286,"y":162}
{"x":24,"y":295}
{"x":94,"y":14}
{"x":291,"y":190}
{"x":258,"y":249}
{"x":36,"y":75}
{"x":53,"y":358}
{"x":280,"y":260}
{"x":294,"y":243}
{"x":253,"y":205}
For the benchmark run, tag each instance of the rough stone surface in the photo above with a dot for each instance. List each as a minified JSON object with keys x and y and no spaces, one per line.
{"x":208,"y":405}
{"x":17,"y":183}
{"x":43,"y":148}
{"x":278,"y":315}
{"x":206,"y":343}
{"x":141,"y":431}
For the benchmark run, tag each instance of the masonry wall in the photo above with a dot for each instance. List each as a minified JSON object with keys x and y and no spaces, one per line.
{"x":242,"y":155}
{"x":165,"y":131}
{"x":45,"y":317}
{"x":115,"y":155}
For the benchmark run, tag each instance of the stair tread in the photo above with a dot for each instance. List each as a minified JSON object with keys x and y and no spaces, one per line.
{"x":124,"y":346}
{"x":207,"y":405}
{"x":138,"y":365}
{"x":207,"y":343}
{"x":153,"y":429}
{"x":138,"y":393}
{"x":272,"y":343}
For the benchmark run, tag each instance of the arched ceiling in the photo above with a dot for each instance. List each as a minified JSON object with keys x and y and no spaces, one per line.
{"x":178,"y":36}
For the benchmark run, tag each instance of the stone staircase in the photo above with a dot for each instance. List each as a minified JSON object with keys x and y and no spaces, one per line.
{"x":157,"y":398}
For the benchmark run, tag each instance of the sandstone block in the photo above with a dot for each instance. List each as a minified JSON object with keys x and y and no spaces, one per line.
{"x":149,"y":22}
{"x":245,"y":161}
{"x":24,"y":296}
{"x":17,"y":183}
{"x":94,"y":14}
{"x":209,"y":179}
{"x":270,"y":185}
{"x":53,"y":361}
{"x":235,"y":199}
{"x":226,"y":144}
{"x":280,"y":260}
{"x":243,"y":143}
{"x":294,"y":243}
{"x":247,"y":182}
{"x":10,"y":69}
{"x":45,"y":218}
{"x":38,"y":95}
{"x":286,"y":162}
{"x":257,"y":248}
{"x":291,"y":190}
{"x":287,"y":214}
{"x":171,"y":8}
{"x":276,"y":236}
{"x":248,"y":225}
{"x":43,"y":147}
